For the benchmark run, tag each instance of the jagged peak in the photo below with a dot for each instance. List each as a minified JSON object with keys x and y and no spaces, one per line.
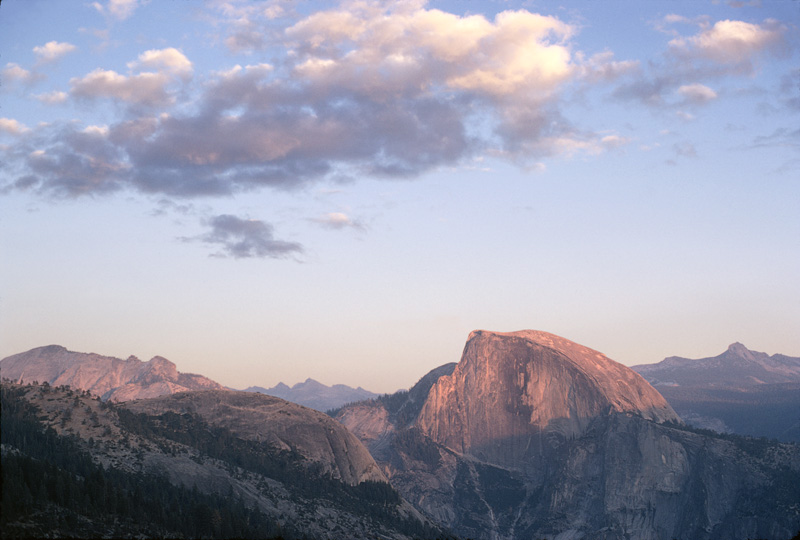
{"x":738,"y":348}
{"x":309,"y":382}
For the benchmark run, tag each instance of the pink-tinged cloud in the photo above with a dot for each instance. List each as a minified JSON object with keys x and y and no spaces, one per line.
{"x":378,"y":90}
{"x":338,"y":220}
{"x":732,"y":42}
{"x":151,"y":88}
{"x":163,"y":60}
{"x":55,"y":97}
{"x":697,"y":93}
{"x":720,"y":50}
{"x":12,"y":126}
{"x":144,"y":88}
{"x":52,"y":51}
{"x":13,"y":73}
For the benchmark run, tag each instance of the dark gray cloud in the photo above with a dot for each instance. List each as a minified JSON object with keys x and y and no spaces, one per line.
{"x":246,"y":238}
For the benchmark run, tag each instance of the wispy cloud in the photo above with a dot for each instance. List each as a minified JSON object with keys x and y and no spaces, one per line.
{"x":338,"y":220}
{"x":715,"y":51}
{"x":118,"y":9}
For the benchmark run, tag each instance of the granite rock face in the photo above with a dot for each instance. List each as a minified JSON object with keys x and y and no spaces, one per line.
{"x":511,"y":388}
{"x":278,"y":423}
{"x":105,"y":376}
{"x":534,"y":436}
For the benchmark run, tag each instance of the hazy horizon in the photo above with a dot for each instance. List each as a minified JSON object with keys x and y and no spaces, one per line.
{"x":264,"y":192}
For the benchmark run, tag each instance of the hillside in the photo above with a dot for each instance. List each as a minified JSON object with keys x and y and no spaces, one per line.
{"x":175,"y":467}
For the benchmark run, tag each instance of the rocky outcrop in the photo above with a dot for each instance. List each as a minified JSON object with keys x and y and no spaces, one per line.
{"x":511,"y":388}
{"x":278,"y":423}
{"x":105,"y":376}
{"x":534,"y":436}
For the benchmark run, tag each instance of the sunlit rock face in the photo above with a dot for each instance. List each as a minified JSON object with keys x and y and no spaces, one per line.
{"x":105,"y":376}
{"x":534,"y":436}
{"x":510,"y":389}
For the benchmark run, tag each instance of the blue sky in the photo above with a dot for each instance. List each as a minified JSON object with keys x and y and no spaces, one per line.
{"x":267,"y":191}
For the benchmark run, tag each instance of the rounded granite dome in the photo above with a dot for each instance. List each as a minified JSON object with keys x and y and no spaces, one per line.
{"x":512,"y":387}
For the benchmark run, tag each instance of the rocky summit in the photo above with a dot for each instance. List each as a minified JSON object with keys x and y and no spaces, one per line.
{"x":110,"y":378}
{"x":534,"y":436}
{"x":509,"y":388}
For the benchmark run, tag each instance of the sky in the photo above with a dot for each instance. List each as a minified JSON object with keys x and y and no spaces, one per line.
{"x":273,"y":190}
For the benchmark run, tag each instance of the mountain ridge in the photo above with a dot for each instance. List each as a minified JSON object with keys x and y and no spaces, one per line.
{"x":737,"y":391}
{"x":315,"y":395}
{"x":106,"y":376}
{"x":737,"y":366}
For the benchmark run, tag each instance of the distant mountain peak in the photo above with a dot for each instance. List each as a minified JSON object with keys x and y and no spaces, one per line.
{"x":316,"y":395}
{"x":737,"y":367}
{"x":740,"y":350}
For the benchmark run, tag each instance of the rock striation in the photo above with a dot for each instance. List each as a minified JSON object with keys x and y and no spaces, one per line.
{"x":105,"y":376}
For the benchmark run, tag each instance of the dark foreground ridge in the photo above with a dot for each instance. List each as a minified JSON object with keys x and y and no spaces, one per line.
{"x":120,"y":482}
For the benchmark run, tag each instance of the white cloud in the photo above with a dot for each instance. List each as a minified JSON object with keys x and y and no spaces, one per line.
{"x":118,"y":9}
{"x":145,"y":88}
{"x":15,"y":73}
{"x":52,"y":51}
{"x":731,"y":42}
{"x":170,"y":60}
{"x":337,"y":220}
{"x":697,"y":93}
{"x":614,"y":141}
{"x":52,"y":98}
{"x":13,"y":127}
{"x":372,"y":50}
